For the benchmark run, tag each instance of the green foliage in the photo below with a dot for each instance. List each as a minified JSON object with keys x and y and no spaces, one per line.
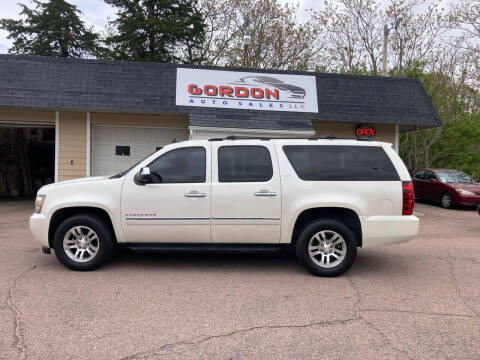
{"x":155,"y":30}
{"x":456,"y":144}
{"x":53,"y":28}
{"x":465,"y":155}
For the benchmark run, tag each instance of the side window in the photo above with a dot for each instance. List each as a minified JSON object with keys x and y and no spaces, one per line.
{"x":183,"y":165}
{"x":429,"y":175}
{"x":340,"y":163}
{"x":418,"y":175}
{"x":244,"y":164}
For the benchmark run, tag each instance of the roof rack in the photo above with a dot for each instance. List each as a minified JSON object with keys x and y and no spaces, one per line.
{"x":265,"y":138}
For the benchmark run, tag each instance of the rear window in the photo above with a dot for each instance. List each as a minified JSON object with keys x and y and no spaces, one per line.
{"x":418,"y":175}
{"x":340,"y":163}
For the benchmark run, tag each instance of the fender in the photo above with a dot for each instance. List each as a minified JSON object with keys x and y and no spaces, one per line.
{"x":102,"y":194}
{"x":117,"y":228}
{"x":287,"y":227}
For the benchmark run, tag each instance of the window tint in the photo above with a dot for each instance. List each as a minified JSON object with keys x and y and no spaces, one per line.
{"x":184,"y":165}
{"x":244,"y":164}
{"x":429,"y":175}
{"x":418,"y":175}
{"x":340,"y":163}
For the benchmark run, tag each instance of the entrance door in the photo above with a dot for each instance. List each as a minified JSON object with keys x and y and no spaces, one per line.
{"x":27,"y":159}
{"x":246,"y":198}
{"x":175,"y":207}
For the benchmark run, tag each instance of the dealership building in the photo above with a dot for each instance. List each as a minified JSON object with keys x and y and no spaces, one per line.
{"x":64,"y":118}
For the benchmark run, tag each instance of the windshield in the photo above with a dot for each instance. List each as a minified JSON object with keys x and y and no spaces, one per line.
{"x":121,"y":173}
{"x":454,"y":177}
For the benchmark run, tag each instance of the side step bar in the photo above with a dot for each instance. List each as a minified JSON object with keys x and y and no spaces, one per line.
{"x":206,"y":248}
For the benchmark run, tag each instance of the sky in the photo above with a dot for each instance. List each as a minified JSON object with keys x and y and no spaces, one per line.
{"x":96,"y":13}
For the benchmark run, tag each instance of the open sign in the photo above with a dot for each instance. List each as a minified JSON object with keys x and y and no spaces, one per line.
{"x":365,"y":131}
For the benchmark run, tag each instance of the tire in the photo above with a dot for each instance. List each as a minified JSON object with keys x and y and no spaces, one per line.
{"x":83,"y":242}
{"x":446,"y":201}
{"x":318,"y":236}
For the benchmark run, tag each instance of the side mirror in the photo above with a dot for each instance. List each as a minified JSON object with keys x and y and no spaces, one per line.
{"x":143,"y":176}
{"x":434,"y":181}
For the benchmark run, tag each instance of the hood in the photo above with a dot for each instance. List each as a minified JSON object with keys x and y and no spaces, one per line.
{"x":466,"y":186}
{"x":80,"y":180}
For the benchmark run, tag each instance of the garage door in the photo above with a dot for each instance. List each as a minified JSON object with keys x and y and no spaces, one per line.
{"x":115,"y":148}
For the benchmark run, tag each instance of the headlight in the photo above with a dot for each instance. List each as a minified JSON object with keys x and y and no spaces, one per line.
{"x":464,"y":192}
{"x":40,"y":199}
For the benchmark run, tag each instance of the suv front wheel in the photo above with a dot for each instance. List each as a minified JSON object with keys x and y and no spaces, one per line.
{"x":83,"y":242}
{"x":326,"y":247}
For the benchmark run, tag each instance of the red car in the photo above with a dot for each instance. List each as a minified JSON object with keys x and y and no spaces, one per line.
{"x":449,"y":187}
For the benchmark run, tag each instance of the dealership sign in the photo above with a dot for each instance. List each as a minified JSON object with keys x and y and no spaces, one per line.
{"x":246,"y":90}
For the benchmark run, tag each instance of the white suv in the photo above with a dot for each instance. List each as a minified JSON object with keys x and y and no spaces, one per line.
{"x":326,"y":197}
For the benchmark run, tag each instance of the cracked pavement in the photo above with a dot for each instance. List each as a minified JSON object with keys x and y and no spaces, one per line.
{"x":408,"y":301}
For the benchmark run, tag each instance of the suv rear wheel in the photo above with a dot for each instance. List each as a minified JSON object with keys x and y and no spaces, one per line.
{"x":83,"y":242}
{"x":326,"y":247}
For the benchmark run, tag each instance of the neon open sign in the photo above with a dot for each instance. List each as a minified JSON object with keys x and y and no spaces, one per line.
{"x":365,"y":131}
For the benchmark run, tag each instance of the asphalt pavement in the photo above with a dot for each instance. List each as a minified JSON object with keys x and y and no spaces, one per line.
{"x":419,"y":300}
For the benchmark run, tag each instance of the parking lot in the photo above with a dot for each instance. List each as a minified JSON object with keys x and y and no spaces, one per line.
{"x":415,"y":300}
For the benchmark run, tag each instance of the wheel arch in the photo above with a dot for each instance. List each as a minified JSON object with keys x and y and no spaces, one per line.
{"x":348,"y":216}
{"x":62,"y":214}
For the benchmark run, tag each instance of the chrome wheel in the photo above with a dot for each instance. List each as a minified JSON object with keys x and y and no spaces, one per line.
{"x":327,"y":248}
{"x":81,"y":243}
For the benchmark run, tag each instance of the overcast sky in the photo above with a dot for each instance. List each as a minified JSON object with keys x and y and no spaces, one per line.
{"x":96,"y":13}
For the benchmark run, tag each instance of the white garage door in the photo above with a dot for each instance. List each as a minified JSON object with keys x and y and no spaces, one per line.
{"x":116,"y":148}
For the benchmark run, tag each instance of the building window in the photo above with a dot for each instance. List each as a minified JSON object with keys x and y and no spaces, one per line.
{"x":121,"y":150}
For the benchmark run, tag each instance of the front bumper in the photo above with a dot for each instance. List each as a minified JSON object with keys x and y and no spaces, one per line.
{"x":39,"y":227}
{"x":385,"y":230}
{"x":467,"y":200}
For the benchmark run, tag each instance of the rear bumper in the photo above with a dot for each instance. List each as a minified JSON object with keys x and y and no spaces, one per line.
{"x":39,"y":227}
{"x":385,"y":230}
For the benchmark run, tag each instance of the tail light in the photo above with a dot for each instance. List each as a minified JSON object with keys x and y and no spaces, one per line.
{"x":408,"y":198}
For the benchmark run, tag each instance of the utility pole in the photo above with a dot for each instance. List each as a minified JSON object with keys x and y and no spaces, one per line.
{"x":246,"y":42}
{"x":386,"y":30}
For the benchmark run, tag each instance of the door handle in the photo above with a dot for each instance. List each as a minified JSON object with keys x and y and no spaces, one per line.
{"x":195,"y":194}
{"x":265,"y":193}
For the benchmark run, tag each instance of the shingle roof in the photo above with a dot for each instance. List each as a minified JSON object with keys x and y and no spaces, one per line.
{"x":138,"y":87}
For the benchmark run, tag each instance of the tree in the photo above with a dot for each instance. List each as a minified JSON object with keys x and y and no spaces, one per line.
{"x":456,"y":144}
{"x":415,"y":33}
{"x":53,"y":28}
{"x":460,"y":145}
{"x":277,"y":39}
{"x":421,"y":44}
{"x":156,"y":30}
{"x":354,"y":34}
{"x":465,"y":17}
